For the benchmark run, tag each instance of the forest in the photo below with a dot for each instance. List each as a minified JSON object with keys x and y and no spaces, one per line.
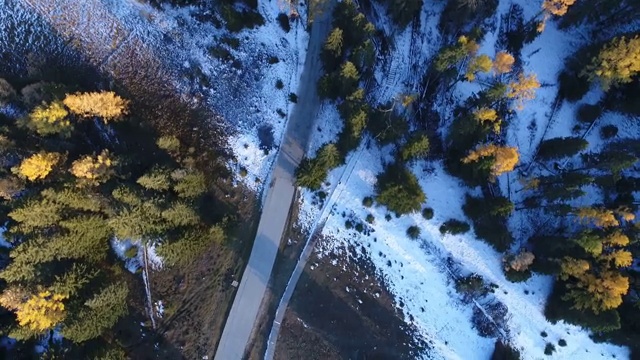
{"x":81,"y":171}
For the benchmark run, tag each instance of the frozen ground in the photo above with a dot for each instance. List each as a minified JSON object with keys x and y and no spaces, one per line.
{"x":420,"y":272}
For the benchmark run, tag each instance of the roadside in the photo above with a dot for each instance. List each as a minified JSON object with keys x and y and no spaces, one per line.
{"x":342,"y":309}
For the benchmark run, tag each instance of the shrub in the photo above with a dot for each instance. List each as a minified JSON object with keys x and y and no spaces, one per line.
{"x":609,"y":131}
{"x":398,"y":189}
{"x":243,"y":172}
{"x":293,"y":98}
{"x":544,"y":334}
{"x":359,"y":227}
{"x":273,"y":60}
{"x":562,"y":342}
{"x":281,"y":113}
{"x":588,"y":113}
{"x":471,"y":285}
{"x":283,"y":20}
{"x":370,"y":219}
{"x":454,"y":227}
{"x":232,"y":42}
{"x":549,"y":349}
{"x":413,"y":232}
{"x":503,"y":351}
{"x":427,"y":213}
{"x":348,"y":225}
{"x":367,"y":201}
{"x":279,"y":84}
{"x":238,"y":20}
{"x":517,"y":276}
{"x":131,"y":252}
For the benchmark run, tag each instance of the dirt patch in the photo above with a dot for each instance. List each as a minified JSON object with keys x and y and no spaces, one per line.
{"x":341,"y":309}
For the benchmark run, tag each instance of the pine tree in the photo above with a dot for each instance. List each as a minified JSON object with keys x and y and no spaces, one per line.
{"x":49,"y":119}
{"x":503,"y":63}
{"x":37,"y":213}
{"x":105,"y":104}
{"x":158,"y":179}
{"x":169,"y":143}
{"x":312,"y":172}
{"x":190,"y":245}
{"x":358,"y":122}
{"x":557,"y":148}
{"x":98,"y":314}
{"x":398,"y":189}
{"x":523,"y":89}
{"x":333,"y":44}
{"x":416,"y":147}
{"x":190,"y":185}
{"x":37,"y":166}
{"x":617,"y":63}
{"x":504,"y":158}
{"x":599,"y":292}
{"x":181,"y":214}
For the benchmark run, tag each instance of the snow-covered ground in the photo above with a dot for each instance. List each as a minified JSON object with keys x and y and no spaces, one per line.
{"x":417,"y":271}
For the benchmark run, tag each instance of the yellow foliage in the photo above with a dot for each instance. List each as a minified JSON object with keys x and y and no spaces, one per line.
{"x":621,"y":258}
{"x":617,"y":63}
{"x":49,"y":119}
{"x":506,"y":157}
{"x":626,"y":214}
{"x":470,"y":46}
{"x":599,"y":293}
{"x":42,"y":311}
{"x":105,"y":104}
{"x":529,"y":184}
{"x":38,"y":166}
{"x":484,"y":114}
{"x":570,"y":267}
{"x":557,"y":7}
{"x":93,"y":168}
{"x":481,"y":63}
{"x":524,"y":88}
{"x":617,"y":238}
{"x":503,"y":62}
{"x":12,"y":298}
{"x":599,"y":217}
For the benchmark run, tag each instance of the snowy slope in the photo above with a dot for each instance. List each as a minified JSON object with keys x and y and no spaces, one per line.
{"x":418,"y":272}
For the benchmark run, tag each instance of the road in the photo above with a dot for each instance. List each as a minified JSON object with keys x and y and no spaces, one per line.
{"x":244,"y":313}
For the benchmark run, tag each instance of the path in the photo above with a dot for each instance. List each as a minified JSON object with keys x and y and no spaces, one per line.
{"x":246,"y":305}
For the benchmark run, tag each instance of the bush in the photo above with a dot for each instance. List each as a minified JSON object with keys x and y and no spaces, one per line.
{"x":503,"y":351}
{"x":273,"y":60}
{"x":454,"y":227}
{"x":549,"y":349}
{"x":232,"y":42}
{"x":283,"y":20}
{"x":293,"y":98}
{"x":131,"y":252}
{"x":517,"y":276}
{"x":367,"y":201}
{"x":471,"y":285}
{"x":279,"y":84}
{"x":544,"y":334}
{"x":588,"y":113}
{"x":238,"y":20}
{"x":281,"y":113}
{"x":413,"y":232}
{"x":370,"y":219}
{"x":243,"y":172}
{"x":609,"y":131}
{"x":427,"y":213}
{"x":398,"y":189}
{"x":562,"y":342}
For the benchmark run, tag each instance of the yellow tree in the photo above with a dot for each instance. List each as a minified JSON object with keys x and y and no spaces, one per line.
{"x":557,"y":7}
{"x":503,"y":63}
{"x":480,"y":63}
{"x":617,"y":63}
{"x":94,"y":169}
{"x":601,"y":218}
{"x":37,"y":166}
{"x":105,"y":104}
{"x":598,"y":293}
{"x":488,"y":115}
{"x":505,"y":158}
{"x":470,"y":47}
{"x":49,"y":119}
{"x":42,"y":311}
{"x":523,"y":89}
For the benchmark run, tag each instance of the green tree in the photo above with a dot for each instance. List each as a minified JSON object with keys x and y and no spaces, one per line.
{"x":37,"y":214}
{"x":313,"y":171}
{"x":98,"y":314}
{"x":181,"y":214}
{"x":416,"y":147}
{"x":557,"y":148}
{"x":158,"y":179}
{"x":190,"y":185}
{"x":49,"y":120}
{"x":190,"y":245}
{"x":333,"y":49}
{"x":398,"y":189}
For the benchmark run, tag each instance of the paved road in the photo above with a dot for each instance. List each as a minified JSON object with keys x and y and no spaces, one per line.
{"x":244,"y":311}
